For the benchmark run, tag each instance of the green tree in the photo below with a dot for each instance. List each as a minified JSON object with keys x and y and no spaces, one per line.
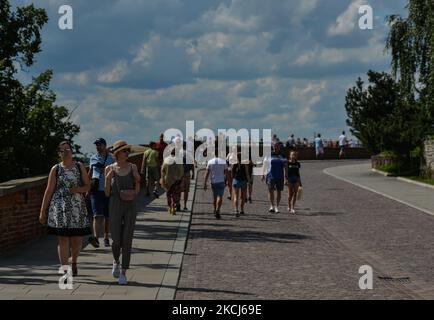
{"x":32,"y":125}
{"x":411,"y":43}
{"x":381,"y":118}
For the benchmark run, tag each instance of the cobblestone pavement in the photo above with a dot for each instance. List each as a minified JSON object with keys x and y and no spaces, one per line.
{"x":315,"y":254}
{"x":30,"y":272}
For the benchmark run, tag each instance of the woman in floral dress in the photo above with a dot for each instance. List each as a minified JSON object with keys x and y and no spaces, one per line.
{"x":67,"y":213}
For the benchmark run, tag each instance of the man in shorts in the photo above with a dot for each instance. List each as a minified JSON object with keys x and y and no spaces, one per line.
{"x":151,"y":169}
{"x":275,"y":171}
{"x":343,"y":142}
{"x":319,"y":147}
{"x":217,"y":169}
{"x":99,"y":201}
{"x":188,"y":161}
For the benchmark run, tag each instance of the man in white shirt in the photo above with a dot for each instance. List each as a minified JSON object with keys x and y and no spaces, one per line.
{"x":343,"y":142}
{"x":218,"y":170}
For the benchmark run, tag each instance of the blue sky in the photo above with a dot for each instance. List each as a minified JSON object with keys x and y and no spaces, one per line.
{"x":133,"y":68}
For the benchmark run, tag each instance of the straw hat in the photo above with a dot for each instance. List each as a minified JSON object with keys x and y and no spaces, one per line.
{"x":119,"y":146}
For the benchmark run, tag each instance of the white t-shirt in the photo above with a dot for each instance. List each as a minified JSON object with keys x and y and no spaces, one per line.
{"x":342,"y":140}
{"x":217,"y":167}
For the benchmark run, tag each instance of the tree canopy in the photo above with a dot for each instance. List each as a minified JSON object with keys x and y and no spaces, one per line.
{"x":396,"y":112}
{"x":31,"y":124}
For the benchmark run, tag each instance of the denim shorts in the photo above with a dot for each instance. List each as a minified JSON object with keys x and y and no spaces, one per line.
{"x":293,"y":180}
{"x":100,"y":204}
{"x":218,"y":189}
{"x":239,"y":184}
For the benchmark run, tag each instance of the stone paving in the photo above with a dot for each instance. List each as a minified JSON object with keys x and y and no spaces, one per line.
{"x":315,"y":254}
{"x":159,"y":241}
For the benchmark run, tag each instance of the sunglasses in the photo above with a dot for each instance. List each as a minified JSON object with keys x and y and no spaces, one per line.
{"x":126,"y":150}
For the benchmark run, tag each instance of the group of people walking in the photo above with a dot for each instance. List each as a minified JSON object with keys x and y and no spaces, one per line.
{"x":112,"y":184}
{"x":277,"y":171}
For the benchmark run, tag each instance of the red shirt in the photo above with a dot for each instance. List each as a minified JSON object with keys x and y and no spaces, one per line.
{"x":160,"y":148}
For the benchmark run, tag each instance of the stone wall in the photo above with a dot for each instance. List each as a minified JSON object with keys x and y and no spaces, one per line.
{"x":427,"y":165}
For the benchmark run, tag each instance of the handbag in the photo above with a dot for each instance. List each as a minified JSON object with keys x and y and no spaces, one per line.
{"x":126,"y":195}
{"x":300,"y":193}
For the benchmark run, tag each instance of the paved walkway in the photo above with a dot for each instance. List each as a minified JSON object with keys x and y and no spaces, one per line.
{"x":158,"y":246}
{"x":416,"y":196}
{"x":315,"y":254}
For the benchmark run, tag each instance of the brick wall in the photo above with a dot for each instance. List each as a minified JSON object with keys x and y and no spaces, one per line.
{"x":333,"y":153}
{"x":19,"y":215}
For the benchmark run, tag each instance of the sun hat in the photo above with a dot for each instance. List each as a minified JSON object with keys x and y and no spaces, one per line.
{"x":119,"y":146}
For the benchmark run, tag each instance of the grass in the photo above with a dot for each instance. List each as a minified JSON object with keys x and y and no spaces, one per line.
{"x":423,"y":180}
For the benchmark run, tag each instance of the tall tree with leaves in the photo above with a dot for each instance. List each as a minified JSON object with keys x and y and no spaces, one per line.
{"x":31,"y":124}
{"x":380,"y":117}
{"x":411,"y":43}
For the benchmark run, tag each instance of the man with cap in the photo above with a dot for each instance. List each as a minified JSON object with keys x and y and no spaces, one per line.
{"x":99,"y":201}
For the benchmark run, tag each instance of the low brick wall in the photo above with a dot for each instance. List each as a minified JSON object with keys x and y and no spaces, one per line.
{"x":333,"y":153}
{"x":379,"y":161}
{"x":20,"y":203}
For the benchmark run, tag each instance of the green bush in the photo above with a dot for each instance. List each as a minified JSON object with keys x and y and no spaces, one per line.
{"x":390,"y":168}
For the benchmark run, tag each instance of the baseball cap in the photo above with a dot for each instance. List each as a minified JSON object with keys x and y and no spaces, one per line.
{"x":100,"y":141}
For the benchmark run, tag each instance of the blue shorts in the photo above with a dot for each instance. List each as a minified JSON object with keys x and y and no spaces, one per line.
{"x":293,"y":180}
{"x":239,"y":184}
{"x":218,"y":189}
{"x":100,"y":204}
{"x":275,"y":184}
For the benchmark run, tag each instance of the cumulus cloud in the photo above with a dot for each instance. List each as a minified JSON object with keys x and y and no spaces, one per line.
{"x":135,"y":68}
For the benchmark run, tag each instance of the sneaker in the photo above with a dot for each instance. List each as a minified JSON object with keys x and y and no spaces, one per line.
{"x":65,"y":277}
{"x":116,"y":271}
{"x":289,"y":210}
{"x":293,"y":211}
{"x":107,"y":243}
{"x":185,"y":209}
{"x":217,"y":215}
{"x":271,"y":210}
{"x":276,"y":209}
{"x":242,"y":212}
{"x":94,"y":242}
{"x":123,"y":279}
{"x":237,"y":214}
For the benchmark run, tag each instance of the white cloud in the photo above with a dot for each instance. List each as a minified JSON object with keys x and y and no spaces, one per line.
{"x":347,"y":21}
{"x":114,"y":74}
